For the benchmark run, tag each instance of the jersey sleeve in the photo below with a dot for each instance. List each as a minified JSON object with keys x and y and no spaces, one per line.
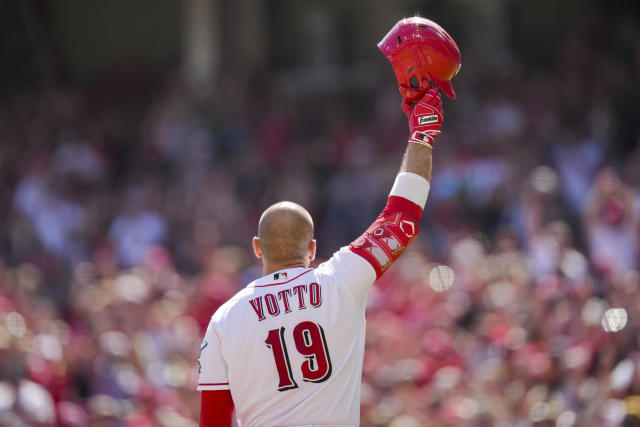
{"x":396,"y":227}
{"x":212,"y":367}
{"x":349,"y":271}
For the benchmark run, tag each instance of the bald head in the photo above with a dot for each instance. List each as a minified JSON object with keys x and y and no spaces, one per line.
{"x":285,"y":230}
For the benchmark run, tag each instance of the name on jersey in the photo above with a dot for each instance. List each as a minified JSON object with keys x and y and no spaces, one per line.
{"x":297,"y":297}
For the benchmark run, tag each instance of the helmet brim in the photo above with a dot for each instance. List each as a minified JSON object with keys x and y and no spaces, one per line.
{"x":446,"y":87}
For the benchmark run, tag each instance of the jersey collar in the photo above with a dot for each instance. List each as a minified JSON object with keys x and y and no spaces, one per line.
{"x":280,"y":277}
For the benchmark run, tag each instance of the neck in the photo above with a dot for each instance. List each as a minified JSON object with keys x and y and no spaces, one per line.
{"x":268,"y":267}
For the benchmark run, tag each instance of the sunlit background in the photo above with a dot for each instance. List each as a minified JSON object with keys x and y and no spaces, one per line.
{"x":140,"y":141}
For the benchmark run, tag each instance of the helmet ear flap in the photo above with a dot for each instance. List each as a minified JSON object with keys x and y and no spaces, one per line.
{"x":413,"y":82}
{"x":411,"y":95}
{"x":417,"y":79}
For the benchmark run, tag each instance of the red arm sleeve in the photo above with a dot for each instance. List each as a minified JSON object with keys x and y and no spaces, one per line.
{"x":216,"y":409}
{"x":390,"y":234}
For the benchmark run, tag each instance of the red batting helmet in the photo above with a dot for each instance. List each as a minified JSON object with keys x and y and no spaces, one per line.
{"x":421,"y":51}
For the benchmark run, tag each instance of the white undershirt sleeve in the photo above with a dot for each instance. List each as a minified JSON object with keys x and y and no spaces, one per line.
{"x":412,"y":187}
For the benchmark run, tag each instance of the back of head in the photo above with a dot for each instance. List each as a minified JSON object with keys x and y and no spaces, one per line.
{"x":285,"y":230}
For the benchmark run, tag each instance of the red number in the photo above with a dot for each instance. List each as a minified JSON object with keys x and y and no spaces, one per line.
{"x":275,"y":341}
{"x":311,"y":343}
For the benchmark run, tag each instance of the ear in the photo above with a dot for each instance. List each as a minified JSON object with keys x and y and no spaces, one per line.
{"x":312,"y":250}
{"x":257,"y":250}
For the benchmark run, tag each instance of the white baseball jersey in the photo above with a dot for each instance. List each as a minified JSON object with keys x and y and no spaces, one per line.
{"x":290,"y":345}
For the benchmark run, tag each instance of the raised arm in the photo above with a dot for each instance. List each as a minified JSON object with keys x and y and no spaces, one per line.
{"x":397,"y":225}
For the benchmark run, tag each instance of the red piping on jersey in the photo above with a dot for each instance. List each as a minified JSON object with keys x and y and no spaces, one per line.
{"x":283,"y":283}
{"x":213,"y":384}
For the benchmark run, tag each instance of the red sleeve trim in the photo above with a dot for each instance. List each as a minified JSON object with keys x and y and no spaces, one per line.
{"x":213,"y":384}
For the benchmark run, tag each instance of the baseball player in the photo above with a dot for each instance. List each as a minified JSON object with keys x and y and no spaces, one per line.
{"x":287,"y":349}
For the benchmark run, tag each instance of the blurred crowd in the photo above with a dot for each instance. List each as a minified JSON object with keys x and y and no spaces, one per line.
{"x":127,"y":211}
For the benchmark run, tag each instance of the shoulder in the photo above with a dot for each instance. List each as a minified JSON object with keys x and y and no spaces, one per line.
{"x":346,"y":262}
{"x":349,"y":273}
{"x":228,"y":307}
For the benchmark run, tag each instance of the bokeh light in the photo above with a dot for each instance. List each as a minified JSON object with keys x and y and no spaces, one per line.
{"x":15,"y":324}
{"x":614,"y":319}
{"x":441,"y":278}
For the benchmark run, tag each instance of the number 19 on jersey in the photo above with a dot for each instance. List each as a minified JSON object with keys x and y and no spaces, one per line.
{"x":311,"y":343}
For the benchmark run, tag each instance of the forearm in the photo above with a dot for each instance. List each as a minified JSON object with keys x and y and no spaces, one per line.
{"x":417,"y":159}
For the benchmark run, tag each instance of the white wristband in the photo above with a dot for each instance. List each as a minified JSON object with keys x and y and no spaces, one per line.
{"x":422,"y":139}
{"x":412,"y":187}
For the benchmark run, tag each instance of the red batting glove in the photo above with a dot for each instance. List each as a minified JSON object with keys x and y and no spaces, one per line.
{"x":425,"y":118}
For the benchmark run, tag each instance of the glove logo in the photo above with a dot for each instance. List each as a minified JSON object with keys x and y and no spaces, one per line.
{"x":425,"y":120}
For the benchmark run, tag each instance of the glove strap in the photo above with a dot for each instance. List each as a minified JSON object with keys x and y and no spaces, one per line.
{"x":421,"y":138}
